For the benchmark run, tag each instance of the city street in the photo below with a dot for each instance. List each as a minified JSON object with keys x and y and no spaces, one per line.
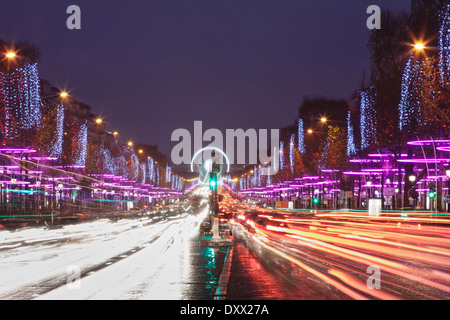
{"x":276,"y":256}
{"x":210,"y":151}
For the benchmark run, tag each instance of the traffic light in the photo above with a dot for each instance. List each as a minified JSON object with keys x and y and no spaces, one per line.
{"x":213,"y":181}
{"x":432,"y":193}
{"x":316,"y":200}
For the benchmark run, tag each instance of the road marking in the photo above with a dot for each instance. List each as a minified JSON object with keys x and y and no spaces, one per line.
{"x":221,"y":291}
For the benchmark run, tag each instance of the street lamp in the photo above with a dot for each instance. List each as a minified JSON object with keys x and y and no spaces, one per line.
{"x":98,"y":121}
{"x":419,"y":46}
{"x":130,"y":144}
{"x":412,"y":178}
{"x":63,"y":94}
{"x":10,"y":55}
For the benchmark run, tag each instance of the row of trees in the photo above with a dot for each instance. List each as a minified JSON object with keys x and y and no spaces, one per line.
{"x":406,"y":97}
{"x":33,"y":114}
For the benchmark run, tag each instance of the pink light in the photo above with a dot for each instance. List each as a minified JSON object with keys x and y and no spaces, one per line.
{"x":17,"y":150}
{"x":380,"y":170}
{"x":358,"y":173}
{"x":446,"y":148}
{"x":364,"y":160}
{"x":17,"y":182}
{"x":425,"y":142}
{"x":69,"y":167}
{"x":423,"y":160}
{"x":385,"y":155}
{"x":43,"y":158}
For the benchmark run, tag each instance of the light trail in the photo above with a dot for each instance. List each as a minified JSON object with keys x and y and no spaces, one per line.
{"x":414,"y":256}
{"x":31,"y":259}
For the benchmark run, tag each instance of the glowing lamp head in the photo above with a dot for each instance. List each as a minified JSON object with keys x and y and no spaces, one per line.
{"x":323,"y":120}
{"x":419,"y":46}
{"x":130,"y":144}
{"x":64,"y":94}
{"x":10,"y":55}
{"x":98,"y":121}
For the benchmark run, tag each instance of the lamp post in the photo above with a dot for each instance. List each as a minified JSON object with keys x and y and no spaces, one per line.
{"x":412,"y":178}
{"x":369,"y":185}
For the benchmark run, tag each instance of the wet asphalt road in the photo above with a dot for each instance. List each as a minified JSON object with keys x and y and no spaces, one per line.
{"x":141,"y":259}
{"x":137,"y":260}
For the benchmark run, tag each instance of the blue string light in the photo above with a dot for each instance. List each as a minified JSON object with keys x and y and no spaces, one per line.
{"x":281,"y":155}
{"x":57,"y":144}
{"x":80,"y":150}
{"x":301,"y":137}
{"x":291,"y":152}
{"x":19,"y":94}
{"x":351,"y":147}
{"x":368,"y":120}
{"x":444,"y":44}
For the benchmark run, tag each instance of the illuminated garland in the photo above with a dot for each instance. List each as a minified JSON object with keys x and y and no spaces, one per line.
{"x":108,"y":161}
{"x":408,"y":102}
{"x":177,"y":183}
{"x":20,"y":101}
{"x":410,"y":111}
{"x":301,"y":137}
{"x":80,"y":151}
{"x":368,"y":120}
{"x":324,"y":155}
{"x":444,"y":44}
{"x":143,"y":172}
{"x":157,"y":176}
{"x":151,"y":170}
{"x":134,"y":168}
{"x":57,"y":144}
{"x":351,"y":147}
{"x":32,"y":116}
{"x":168,"y":173}
{"x":281,"y":155}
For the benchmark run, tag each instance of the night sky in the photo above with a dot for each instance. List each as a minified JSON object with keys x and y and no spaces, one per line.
{"x":150,"y":67}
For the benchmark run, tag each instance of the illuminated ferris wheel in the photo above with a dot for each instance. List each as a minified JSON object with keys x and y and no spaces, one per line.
{"x":207,"y":160}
